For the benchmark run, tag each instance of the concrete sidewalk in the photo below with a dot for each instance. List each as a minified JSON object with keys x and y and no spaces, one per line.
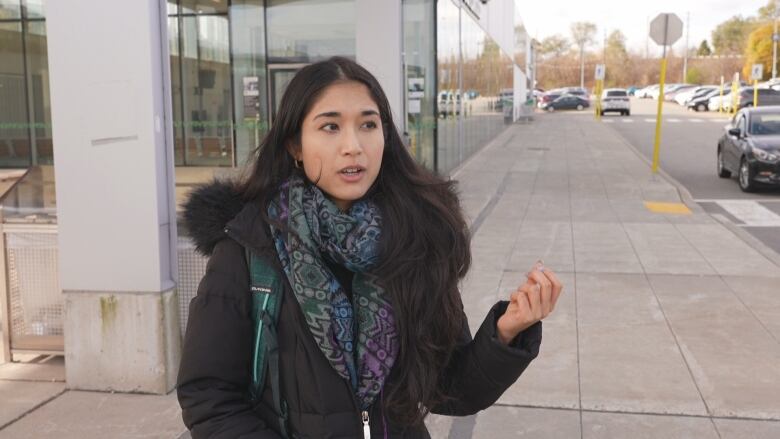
{"x":668,"y":326}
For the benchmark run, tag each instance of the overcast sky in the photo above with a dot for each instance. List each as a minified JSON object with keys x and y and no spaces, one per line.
{"x":543,"y":19}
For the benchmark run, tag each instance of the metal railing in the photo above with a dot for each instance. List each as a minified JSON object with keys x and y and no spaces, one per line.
{"x":192,"y":267}
{"x":31,"y":301}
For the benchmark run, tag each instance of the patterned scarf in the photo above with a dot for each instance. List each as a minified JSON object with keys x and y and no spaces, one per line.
{"x":317,"y":229}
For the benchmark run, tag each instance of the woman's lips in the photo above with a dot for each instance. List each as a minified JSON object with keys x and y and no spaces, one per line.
{"x":352,"y":176}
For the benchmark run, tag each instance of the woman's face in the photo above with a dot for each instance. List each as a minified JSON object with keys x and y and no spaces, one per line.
{"x":342,"y":142}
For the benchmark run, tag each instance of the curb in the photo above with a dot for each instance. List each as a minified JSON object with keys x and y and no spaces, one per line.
{"x":682,"y":191}
{"x":687,"y":198}
{"x":749,"y":239}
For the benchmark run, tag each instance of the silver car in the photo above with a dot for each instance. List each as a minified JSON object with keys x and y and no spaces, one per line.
{"x":615,"y":100}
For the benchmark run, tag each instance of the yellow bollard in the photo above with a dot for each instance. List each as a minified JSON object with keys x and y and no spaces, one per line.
{"x":657,"y":146}
{"x":755,"y":93}
{"x":597,"y":92}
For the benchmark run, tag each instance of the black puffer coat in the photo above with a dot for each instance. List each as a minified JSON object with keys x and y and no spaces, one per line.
{"x":215,"y":369}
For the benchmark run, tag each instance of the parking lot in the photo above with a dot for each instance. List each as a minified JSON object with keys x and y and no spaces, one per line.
{"x":688,"y":154}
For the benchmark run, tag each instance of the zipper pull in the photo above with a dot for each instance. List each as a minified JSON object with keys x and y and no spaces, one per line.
{"x":366,"y":426}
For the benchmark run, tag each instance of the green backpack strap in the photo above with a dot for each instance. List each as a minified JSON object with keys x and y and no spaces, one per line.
{"x":266,"y":290}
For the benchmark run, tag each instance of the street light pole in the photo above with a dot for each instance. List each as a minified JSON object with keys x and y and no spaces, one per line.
{"x":687,"y":37}
{"x":582,"y":65}
{"x":774,"y":44}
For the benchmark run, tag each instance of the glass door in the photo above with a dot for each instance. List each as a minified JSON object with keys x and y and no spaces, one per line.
{"x":280,"y":76}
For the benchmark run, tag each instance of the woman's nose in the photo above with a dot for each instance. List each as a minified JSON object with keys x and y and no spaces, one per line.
{"x":351,"y":143}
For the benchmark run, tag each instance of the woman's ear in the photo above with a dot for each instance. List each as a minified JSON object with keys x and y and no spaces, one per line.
{"x":294,"y":151}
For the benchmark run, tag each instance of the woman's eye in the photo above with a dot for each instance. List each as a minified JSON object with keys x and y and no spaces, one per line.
{"x":330,"y":127}
{"x":370,"y":124}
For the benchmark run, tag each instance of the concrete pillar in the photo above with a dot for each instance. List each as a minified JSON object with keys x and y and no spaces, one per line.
{"x":113,"y":155}
{"x":379,"y":42}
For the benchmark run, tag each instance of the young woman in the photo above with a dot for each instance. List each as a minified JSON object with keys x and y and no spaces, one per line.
{"x":370,"y":246}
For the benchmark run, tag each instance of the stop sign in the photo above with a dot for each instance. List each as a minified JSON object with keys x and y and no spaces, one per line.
{"x":666,"y":29}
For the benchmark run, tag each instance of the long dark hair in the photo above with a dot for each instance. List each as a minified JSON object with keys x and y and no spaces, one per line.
{"x":425,"y":239}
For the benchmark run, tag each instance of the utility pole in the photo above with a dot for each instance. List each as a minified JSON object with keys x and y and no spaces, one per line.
{"x":687,"y":37}
{"x":582,"y":66}
{"x":774,"y":44}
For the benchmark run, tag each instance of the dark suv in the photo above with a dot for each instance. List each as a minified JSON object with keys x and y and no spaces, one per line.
{"x":766,"y":96}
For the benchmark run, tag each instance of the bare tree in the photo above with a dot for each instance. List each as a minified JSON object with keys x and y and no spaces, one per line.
{"x":554,"y":46}
{"x":583,"y":33}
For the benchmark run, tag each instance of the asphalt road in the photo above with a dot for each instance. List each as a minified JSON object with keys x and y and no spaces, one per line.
{"x":688,"y":154}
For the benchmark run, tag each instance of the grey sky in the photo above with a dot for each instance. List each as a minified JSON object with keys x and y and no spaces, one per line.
{"x":543,"y":19}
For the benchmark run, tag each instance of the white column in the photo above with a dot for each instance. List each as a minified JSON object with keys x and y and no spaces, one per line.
{"x":379,"y":41}
{"x":110,"y":95}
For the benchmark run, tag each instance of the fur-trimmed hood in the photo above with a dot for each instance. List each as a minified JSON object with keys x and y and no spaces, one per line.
{"x":215,"y":210}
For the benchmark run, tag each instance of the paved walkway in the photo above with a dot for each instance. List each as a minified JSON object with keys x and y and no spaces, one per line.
{"x":667,"y":327}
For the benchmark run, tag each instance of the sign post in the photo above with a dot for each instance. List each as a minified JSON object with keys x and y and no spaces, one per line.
{"x":720,"y":101}
{"x":734,"y":94}
{"x":665,"y":30}
{"x":756,"y":73}
{"x":599,"y":88}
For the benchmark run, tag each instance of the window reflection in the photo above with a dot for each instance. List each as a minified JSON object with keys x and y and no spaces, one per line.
{"x":25,"y":114}
{"x":10,"y":9}
{"x":33,"y":8}
{"x":420,"y":74}
{"x":204,"y":6}
{"x":448,"y":40}
{"x":200,"y":76}
{"x":304,"y":32}
{"x":14,"y":140}
{"x":469,"y":88}
{"x":39,"y":101}
{"x":249,"y":76}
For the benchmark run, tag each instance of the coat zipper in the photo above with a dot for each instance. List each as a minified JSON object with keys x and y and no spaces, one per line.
{"x":366,"y":426}
{"x":364,"y":418}
{"x":363,"y":414}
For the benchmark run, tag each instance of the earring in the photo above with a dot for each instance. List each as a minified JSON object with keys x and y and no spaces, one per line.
{"x":297,"y":166}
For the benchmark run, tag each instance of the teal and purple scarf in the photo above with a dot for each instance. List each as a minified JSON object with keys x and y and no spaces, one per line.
{"x":317,"y":229}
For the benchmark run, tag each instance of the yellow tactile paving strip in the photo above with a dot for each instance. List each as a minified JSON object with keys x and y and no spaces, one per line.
{"x":668,"y":208}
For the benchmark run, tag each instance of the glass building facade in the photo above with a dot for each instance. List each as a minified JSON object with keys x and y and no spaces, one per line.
{"x":25,"y":114}
{"x":230,"y":61}
{"x":474,"y":73}
{"x":449,"y":77}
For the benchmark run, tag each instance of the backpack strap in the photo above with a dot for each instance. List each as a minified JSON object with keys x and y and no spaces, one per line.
{"x":266,"y":290}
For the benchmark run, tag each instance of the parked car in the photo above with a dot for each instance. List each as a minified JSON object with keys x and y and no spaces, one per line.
{"x":702,"y":103}
{"x":615,"y":100}
{"x":685,"y":96}
{"x":671,"y":94}
{"x":568,"y":102}
{"x":750,"y":148}
{"x":503,"y":96}
{"x":446,"y":104}
{"x":645,"y":93}
{"x":577,"y":91}
{"x":715,"y":100}
{"x":548,"y":97}
{"x":766,"y":96}
{"x":668,"y":89}
{"x":449,"y":103}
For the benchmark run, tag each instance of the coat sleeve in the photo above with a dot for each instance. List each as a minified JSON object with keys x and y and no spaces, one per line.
{"x":214,"y":375}
{"x":482,"y":368}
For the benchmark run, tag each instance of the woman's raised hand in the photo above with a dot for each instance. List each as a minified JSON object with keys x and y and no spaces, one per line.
{"x":530,"y":303}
